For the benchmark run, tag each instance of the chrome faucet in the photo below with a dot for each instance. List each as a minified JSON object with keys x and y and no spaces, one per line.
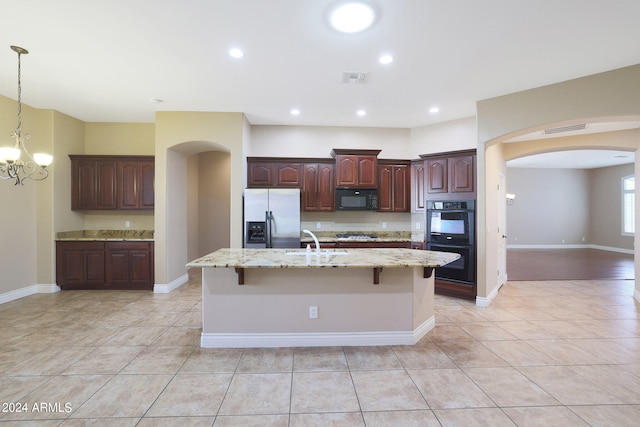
{"x":315,"y":239}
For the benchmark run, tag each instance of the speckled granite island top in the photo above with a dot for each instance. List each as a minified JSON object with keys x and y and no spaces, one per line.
{"x":340,"y":258}
{"x":106,"y":235}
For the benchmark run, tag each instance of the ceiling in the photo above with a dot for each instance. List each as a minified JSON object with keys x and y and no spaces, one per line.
{"x":103,"y":60}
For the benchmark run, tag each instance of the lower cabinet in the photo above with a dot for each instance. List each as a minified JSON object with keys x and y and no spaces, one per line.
{"x":104,"y":265}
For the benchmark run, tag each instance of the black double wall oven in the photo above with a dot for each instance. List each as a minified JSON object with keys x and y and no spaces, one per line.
{"x":451,"y":228}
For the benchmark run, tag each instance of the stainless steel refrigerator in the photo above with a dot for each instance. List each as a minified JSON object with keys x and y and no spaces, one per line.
{"x":272,"y":218}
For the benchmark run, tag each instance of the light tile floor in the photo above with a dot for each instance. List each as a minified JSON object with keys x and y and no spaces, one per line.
{"x":543,"y":354}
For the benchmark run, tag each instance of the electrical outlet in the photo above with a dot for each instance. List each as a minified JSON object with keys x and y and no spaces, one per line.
{"x":318,"y":225}
{"x":313,"y":312}
{"x":384,"y":225}
{"x":417,"y":226}
{"x":127,"y":224}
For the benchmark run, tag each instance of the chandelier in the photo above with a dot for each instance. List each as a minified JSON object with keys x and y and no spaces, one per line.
{"x":15,"y":162}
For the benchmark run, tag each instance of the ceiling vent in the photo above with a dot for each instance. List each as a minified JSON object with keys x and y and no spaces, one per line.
{"x":562,"y":129}
{"x":354,"y":77}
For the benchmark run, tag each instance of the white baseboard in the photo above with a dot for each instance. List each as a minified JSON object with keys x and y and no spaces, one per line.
{"x":485,"y":302}
{"x":168,"y":287}
{"x":636,"y":294}
{"x":316,"y":339}
{"x":29,"y":290}
{"x":573,"y":246}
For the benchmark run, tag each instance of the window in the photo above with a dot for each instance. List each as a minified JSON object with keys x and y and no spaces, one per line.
{"x":628,"y":205}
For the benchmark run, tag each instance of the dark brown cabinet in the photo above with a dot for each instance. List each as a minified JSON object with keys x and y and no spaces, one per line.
{"x":129,"y":265}
{"x":451,"y":175}
{"x":104,"y":265}
{"x":135,"y":184}
{"x":273,"y":174}
{"x":356,"y":168}
{"x":418,"y":203}
{"x":318,"y":187}
{"x":79,"y":264}
{"x":394,"y":187}
{"x":93,"y":183}
{"x":112,"y":182}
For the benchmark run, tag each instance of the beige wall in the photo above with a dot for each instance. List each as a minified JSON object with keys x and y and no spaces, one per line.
{"x":563,"y":206}
{"x":442,"y":137}
{"x":551,"y":207}
{"x":41,"y":208}
{"x":605,"y":207}
{"x":316,"y":141}
{"x":119,"y":138}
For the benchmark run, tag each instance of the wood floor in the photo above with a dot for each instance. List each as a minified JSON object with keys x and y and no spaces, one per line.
{"x":568,"y":264}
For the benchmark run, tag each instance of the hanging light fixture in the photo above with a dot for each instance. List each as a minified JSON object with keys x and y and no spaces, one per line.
{"x":15,"y":162}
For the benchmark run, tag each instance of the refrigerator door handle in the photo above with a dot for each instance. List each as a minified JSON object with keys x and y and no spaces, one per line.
{"x":267,"y":229}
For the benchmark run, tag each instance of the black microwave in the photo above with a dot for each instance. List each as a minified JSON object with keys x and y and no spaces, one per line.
{"x":357,"y":199}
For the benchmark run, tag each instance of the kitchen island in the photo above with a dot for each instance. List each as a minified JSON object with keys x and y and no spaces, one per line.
{"x":289,"y":297}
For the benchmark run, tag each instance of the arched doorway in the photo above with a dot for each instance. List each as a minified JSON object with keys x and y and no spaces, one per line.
{"x":198,"y":193}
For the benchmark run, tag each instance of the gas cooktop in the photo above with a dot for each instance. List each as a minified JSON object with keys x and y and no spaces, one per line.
{"x":356,"y":236}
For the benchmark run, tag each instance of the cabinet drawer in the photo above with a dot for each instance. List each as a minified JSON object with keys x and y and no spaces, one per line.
{"x":129,"y":246}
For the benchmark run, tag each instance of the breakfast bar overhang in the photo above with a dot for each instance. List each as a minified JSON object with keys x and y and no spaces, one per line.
{"x":291,"y":297}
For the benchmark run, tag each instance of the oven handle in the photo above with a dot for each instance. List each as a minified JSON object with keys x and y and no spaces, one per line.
{"x":438,"y":245}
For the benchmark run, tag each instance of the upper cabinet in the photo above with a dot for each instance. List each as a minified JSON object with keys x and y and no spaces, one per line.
{"x":356,"y":168}
{"x":318,"y":187}
{"x":450,"y":175}
{"x":273,"y":174}
{"x":112,"y":182}
{"x":418,"y":179}
{"x":394,"y":186}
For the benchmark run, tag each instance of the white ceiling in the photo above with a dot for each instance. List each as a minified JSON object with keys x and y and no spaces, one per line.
{"x":102,"y":60}
{"x":574,"y":159}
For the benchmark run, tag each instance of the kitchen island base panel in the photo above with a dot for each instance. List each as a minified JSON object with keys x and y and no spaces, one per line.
{"x":272,"y":308}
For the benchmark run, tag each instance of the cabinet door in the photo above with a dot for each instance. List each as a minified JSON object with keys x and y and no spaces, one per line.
{"x":417,"y":187}
{"x":146,"y":180}
{"x":128,"y":185}
{"x":401,"y":188}
{"x":326,"y":200}
{"x":309,"y":191}
{"x":367,"y":171}
{"x":79,"y":264}
{"x":385,"y":188}
{"x":347,"y":170}
{"x":437,"y":176}
{"x":260,"y":174}
{"x":107,"y":185}
{"x":288,"y":174}
{"x":129,"y":265}
{"x":84,"y":184}
{"x":461,"y":174}
{"x":318,"y":188}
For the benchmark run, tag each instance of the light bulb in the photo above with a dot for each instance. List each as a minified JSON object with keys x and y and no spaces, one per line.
{"x":43,"y":159}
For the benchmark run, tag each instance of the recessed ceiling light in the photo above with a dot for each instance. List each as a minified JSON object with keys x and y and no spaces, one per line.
{"x":361,"y":113}
{"x":434,"y":110}
{"x":386,"y":59}
{"x":236,"y":53}
{"x":295,"y":112}
{"x":352,"y":17}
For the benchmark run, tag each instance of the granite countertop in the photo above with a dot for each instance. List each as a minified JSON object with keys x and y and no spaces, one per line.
{"x":110,"y":235}
{"x":342,"y":258}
